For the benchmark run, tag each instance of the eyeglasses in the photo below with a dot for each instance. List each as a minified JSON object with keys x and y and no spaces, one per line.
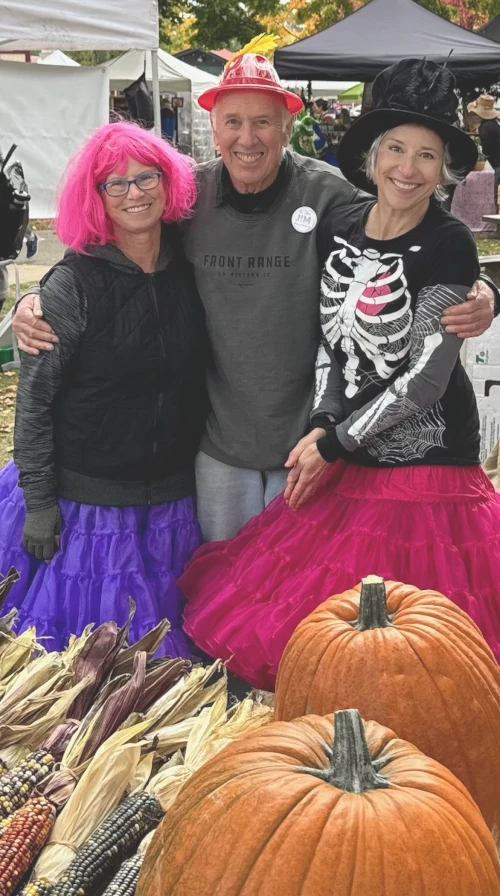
{"x":145,"y":181}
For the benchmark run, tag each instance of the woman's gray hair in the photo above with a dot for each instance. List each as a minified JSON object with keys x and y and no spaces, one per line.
{"x":448,"y":175}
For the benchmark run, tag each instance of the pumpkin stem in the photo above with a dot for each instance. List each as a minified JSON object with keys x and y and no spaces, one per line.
{"x":351,"y":768}
{"x":372,"y":605}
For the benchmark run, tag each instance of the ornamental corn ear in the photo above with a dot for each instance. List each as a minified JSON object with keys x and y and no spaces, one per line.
{"x":113,"y":841}
{"x":17,"y":785}
{"x":125,"y":881}
{"x":36,"y":888}
{"x":23,"y":840}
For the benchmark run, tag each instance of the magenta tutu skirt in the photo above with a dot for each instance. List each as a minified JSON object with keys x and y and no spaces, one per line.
{"x":433,"y":527}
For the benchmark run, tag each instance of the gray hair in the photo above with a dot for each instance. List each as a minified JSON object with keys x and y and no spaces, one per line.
{"x":448,"y":175}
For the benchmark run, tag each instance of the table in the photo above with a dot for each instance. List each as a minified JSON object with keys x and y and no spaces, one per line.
{"x":474,"y":201}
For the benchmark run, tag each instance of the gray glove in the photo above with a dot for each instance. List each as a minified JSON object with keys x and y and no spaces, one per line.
{"x":40,"y":531}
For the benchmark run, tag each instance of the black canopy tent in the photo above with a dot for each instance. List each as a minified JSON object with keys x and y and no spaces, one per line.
{"x":382,"y":32}
{"x":491,"y":30}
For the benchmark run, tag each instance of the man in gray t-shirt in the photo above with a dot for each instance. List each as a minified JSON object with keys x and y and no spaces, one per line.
{"x":253,"y":245}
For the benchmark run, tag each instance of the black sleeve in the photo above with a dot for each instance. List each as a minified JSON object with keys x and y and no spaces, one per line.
{"x":64,"y":307}
{"x":454,"y":259}
{"x":338,"y":219}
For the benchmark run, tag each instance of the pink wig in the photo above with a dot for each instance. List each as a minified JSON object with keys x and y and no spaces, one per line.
{"x":81,"y":220}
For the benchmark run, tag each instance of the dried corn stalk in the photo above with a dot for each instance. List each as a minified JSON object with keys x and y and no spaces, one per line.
{"x":213,"y":729}
{"x":94,"y":660}
{"x":149,"y":643}
{"x":37,"y":727}
{"x":96,"y":795}
{"x":187,"y":696}
{"x":15,"y":653}
{"x":6,"y":584}
{"x":42,"y":678}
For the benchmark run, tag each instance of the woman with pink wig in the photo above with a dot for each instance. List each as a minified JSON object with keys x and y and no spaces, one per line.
{"x":98,"y":505}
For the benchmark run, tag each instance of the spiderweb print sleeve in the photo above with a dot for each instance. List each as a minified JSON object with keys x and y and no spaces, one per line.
{"x":329,"y":382}
{"x":405,"y":421}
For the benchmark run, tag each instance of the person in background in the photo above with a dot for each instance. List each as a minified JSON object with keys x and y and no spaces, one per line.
{"x":388,"y":481}
{"x":489,"y":133}
{"x":321,"y":110}
{"x":257,"y":244}
{"x":98,"y":505}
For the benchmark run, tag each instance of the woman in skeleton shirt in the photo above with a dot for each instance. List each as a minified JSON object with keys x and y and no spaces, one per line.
{"x":388,"y":480}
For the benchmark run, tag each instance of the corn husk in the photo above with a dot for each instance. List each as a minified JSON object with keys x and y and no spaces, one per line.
{"x":6,"y":584}
{"x":98,"y":793}
{"x":91,"y":735}
{"x":145,"y":842}
{"x":165,"y":741}
{"x":160,"y":679}
{"x":148,"y":643}
{"x":15,"y":653}
{"x":213,"y":729}
{"x":94,"y":660}
{"x":33,"y":733}
{"x":59,"y":738}
{"x":187,"y":696}
{"x":46,"y":674}
{"x":12,"y":756}
{"x":142,"y":773}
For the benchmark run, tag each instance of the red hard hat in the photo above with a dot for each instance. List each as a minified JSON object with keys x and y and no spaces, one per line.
{"x":250,"y":71}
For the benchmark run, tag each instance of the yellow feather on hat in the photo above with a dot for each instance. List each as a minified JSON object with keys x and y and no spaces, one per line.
{"x":263,"y":43}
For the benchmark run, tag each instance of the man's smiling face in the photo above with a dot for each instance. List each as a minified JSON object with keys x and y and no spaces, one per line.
{"x":251,"y":127}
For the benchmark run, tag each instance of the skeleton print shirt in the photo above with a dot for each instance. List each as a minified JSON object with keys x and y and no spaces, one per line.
{"x":387,"y":374}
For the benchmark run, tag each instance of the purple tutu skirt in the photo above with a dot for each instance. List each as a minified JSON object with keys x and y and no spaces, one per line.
{"x":433,"y":527}
{"x":107,"y":554}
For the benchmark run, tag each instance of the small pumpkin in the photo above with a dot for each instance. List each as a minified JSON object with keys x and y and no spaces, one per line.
{"x":282,"y":812}
{"x":412,"y":660}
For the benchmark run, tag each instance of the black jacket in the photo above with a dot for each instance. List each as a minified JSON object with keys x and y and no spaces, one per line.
{"x":114,"y":415}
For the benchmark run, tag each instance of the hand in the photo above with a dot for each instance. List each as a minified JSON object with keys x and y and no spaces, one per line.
{"x":41,"y":533}
{"x":310,"y":439}
{"x":32,"y":333}
{"x":305,"y":477}
{"x":473,"y":317}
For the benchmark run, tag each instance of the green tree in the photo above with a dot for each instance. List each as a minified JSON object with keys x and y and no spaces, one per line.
{"x":218,"y":23}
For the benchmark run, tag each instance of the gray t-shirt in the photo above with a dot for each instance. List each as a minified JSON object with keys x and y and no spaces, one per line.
{"x":258,"y":275}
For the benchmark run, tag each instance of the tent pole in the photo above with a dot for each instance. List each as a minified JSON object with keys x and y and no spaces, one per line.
{"x":156,"y":90}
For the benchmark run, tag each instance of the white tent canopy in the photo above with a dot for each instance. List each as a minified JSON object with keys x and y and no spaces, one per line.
{"x":175,"y":77}
{"x":79,"y":24}
{"x":325,"y":89}
{"x":56,"y":57}
{"x":174,"y":74}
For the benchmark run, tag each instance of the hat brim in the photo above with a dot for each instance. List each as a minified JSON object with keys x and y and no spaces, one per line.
{"x":360,"y":136}
{"x":487,"y":114}
{"x":207,"y":99}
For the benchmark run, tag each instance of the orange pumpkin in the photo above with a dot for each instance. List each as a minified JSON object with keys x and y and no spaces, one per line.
{"x":412,"y":660}
{"x":281,"y":813}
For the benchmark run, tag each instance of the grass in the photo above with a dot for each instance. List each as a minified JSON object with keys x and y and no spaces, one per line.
{"x":8,"y":381}
{"x":486,"y":245}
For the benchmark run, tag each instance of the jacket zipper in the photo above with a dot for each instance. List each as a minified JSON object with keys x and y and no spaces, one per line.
{"x":159,"y":402}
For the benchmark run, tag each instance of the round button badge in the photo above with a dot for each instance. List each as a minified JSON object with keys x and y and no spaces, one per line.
{"x":304,"y":219}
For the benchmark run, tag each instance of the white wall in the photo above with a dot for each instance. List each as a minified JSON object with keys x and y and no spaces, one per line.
{"x":49,"y":111}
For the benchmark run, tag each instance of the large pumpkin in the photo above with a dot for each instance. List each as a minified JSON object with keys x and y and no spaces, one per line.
{"x":413,"y":661}
{"x":281,"y":813}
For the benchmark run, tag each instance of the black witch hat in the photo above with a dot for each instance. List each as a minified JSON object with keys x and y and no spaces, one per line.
{"x":413,"y":91}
